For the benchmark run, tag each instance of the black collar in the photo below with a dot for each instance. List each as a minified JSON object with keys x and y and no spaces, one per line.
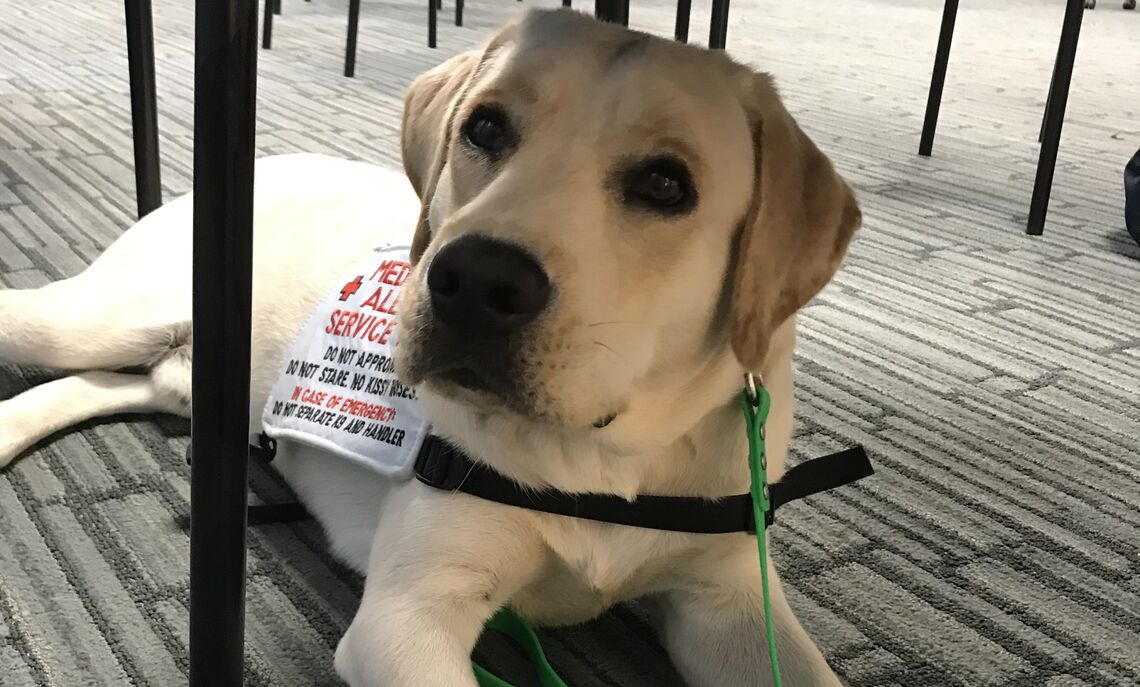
{"x":443,"y":466}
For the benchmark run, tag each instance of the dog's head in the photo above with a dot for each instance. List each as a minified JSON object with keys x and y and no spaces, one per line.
{"x":612,"y":224}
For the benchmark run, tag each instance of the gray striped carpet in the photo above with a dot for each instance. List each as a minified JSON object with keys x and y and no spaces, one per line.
{"x":993,"y":377}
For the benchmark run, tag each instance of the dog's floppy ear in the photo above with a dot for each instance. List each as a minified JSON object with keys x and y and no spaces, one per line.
{"x":429,"y":111}
{"x":801,"y":219}
{"x":427,"y":106}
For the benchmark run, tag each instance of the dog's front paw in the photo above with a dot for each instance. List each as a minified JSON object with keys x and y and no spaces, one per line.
{"x":8,"y":452}
{"x":15,"y":435}
{"x":367,"y":659}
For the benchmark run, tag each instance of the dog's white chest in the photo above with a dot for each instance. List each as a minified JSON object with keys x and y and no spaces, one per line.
{"x":606,"y":562}
{"x":337,"y":389}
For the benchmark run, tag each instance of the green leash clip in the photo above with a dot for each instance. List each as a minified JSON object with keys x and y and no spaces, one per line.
{"x":756,"y":403}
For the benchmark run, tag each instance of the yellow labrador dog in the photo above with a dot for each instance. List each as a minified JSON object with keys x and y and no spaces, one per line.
{"x":655,"y":218}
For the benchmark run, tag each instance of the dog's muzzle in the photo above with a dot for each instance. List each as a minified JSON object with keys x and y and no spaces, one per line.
{"x":483,"y":295}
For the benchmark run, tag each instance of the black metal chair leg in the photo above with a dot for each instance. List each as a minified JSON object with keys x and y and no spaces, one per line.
{"x":608,"y":10}
{"x":623,"y":8}
{"x":718,"y":25}
{"x":681,"y":29}
{"x":565,"y":3}
{"x":1058,"y":99}
{"x":267,"y":25}
{"x":225,"y":70}
{"x":459,"y":12}
{"x":277,"y":6}
{"x":350,"y":43}
{"x":938,"y":78}
{"x":1045,"y":114}
{"x":1049,"y":95}
{"x":433,"y":7}
{"x":144,"y":106}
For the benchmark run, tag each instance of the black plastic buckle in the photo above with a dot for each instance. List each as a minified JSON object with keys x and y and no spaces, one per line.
{"x":440,"y":466}
{"x":265,"y":449}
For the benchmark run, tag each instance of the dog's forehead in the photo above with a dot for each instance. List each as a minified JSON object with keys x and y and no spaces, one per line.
{"x":562,"y":29}
{"x":569,"y":65}
{"x":551,"y":44}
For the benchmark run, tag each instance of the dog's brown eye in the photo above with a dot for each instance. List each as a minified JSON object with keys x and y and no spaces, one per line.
{"x":662,"y":189}
{"x":662,"y":185}
{"x":489,"y":130}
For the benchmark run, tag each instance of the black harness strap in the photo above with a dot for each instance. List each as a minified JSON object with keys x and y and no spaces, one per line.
{"x":819,"y":475}
{"x":443,"y":466}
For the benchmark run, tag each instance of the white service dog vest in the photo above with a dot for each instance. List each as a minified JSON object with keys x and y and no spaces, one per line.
{"x":337,"y":389}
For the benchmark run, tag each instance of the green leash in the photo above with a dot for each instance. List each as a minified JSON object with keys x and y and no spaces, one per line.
{"x":756,"y":403}
{"x":508,"y":623}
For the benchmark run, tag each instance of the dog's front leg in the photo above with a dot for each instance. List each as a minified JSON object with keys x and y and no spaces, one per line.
{"x":714,"y":630}
{"x":441,"y":564}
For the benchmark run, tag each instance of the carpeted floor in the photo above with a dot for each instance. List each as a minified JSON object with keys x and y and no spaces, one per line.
{"x":994,"y":377}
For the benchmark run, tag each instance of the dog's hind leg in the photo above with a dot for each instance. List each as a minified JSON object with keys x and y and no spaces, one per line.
{"x":45,"y":409}
{"x":73,"y":324}
{"x":48,"y":408}
{"x":119,"y":312}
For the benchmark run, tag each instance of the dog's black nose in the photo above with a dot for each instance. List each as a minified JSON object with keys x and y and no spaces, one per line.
{"x":484,"y":288}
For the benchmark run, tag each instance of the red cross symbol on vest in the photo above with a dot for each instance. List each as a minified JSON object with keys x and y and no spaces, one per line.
{"x":351,"y":288}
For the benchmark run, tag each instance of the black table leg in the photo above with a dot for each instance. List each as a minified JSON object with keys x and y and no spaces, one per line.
{"x":938,"y":78}
{"x":432,"y":9}
{"x":267,"y":26}
{"x":225,"y":71}
{"x":144,"y":106}
{"x":1055,"y":116}
{"x":565,"y":3}
{"x":623,"y":9}
{"x":459,"y":12}
{"x":718,"y":25}
{"x":681,"y":29}
{"x":277,"y":6}
{"x":350,"y":44}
